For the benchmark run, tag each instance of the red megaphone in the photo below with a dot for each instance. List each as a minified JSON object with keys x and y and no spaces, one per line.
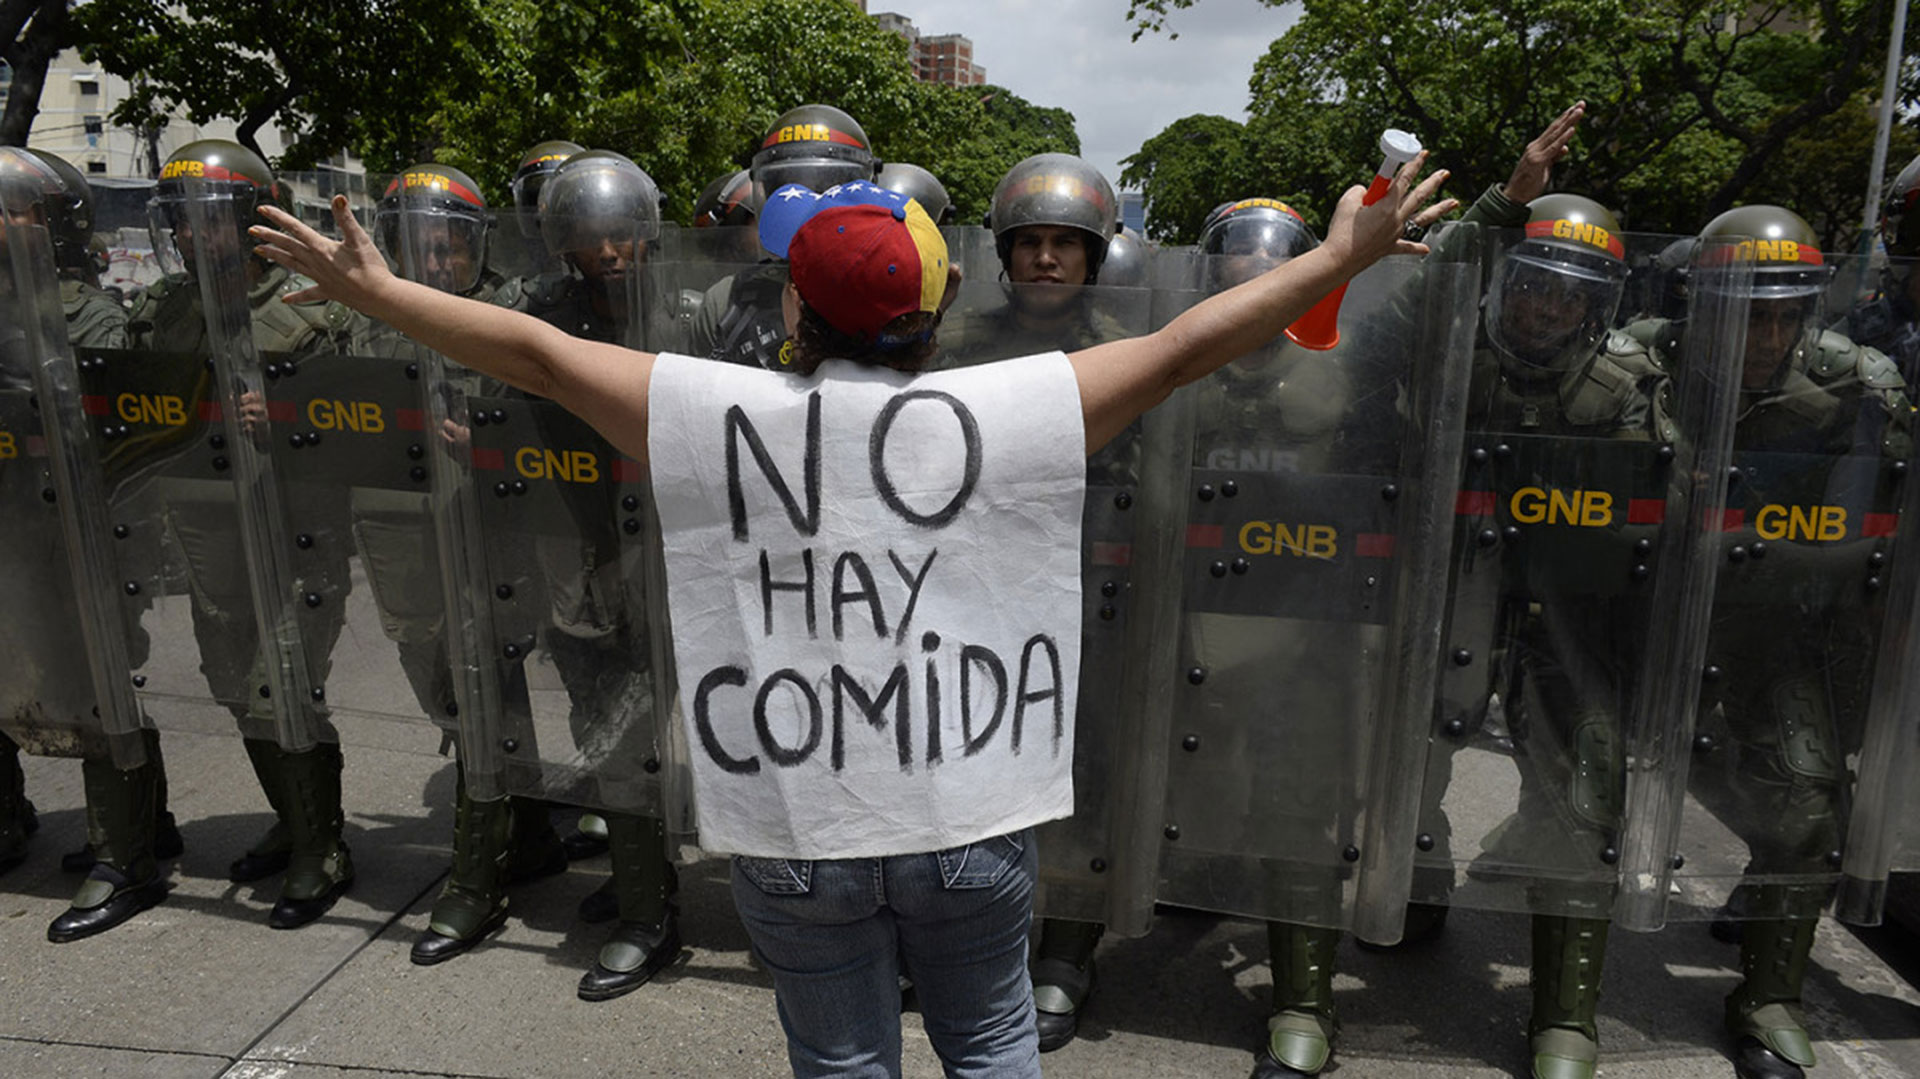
{"x":1319,"y":328}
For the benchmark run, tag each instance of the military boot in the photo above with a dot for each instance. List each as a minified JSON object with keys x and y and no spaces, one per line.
{"x":1568,"y":956}
{"x":535,"y":850}
{"x":1301,"y":1031}
{"x":1063,"y":977}
{"x":1763,"y":1012}
{"x":473,"y":902}
{"x":17,"y":818}
{"x":270,"y":853}
{"x":167,"y":843}
{"x":648,"y":936}
{"x":125,"y":878}
{"x":319,"y":866}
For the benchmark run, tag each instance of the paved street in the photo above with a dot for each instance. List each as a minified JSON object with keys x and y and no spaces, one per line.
{"x":200,"y":987}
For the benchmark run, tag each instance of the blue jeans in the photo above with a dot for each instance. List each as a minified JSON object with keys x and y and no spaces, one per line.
{"x":836,"y":936}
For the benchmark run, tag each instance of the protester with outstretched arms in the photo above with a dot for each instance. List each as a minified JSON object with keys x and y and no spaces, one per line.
{"x":873,"y":575}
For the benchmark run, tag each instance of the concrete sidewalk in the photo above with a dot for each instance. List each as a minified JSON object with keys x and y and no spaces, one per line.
{"x":200,"y":987}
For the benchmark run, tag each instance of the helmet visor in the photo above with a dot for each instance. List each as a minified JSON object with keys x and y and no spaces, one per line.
{"x":1549,"y":309}
{"x":437,"y":246}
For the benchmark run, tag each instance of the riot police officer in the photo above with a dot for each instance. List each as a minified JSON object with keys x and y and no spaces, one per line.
{"x":63,"y":201}
{"x":302,"y":787}
{"x":433,"y":222}
{"x":1821,"y":420}
{"x":1889,"y":320}
{"x":739,"y":320}
{"x":598,"y":213}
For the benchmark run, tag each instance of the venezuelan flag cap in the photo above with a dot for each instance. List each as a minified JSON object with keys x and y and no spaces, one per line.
{"x":860,"y":255}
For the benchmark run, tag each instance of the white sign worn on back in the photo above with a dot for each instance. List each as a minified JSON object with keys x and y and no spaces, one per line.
{"x":874,"y":581}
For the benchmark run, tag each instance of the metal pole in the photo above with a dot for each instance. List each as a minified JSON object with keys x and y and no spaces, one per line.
{"x":1889,"y":86}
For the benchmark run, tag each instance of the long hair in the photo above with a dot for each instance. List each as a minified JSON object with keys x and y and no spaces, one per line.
{"x":817,"y":341}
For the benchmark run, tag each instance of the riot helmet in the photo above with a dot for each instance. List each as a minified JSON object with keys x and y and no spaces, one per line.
{"x":1249,"y":237}
{"x":1783,"y":292}
{"x":1129,"y":258}
{"x":1899,"y":224}
{"x":1058,"y":190}
{"x":815,"y":146}
{"x":536,"y":167}
{"x":210,"y":169}
{"x":432,"y":221}
{"x":69,"y":214}
{"x":1555,"y":293}
{"x":598,"y":211}
{"x":731,"y":200}
{"x":919,"y":185}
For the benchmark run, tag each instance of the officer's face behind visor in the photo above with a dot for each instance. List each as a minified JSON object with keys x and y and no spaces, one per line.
{"x":447,"y":247}
{"x":1774,"y":327}
{"x":1547,"y":313}
{"x":604,"y":250}
{"x":170,"y":223}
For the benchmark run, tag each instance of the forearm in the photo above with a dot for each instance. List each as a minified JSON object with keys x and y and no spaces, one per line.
{"x":1235,"y":322}
{"x":517,"y":349}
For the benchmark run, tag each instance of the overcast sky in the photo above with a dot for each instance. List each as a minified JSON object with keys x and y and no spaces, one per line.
{"x":1074,"y":54}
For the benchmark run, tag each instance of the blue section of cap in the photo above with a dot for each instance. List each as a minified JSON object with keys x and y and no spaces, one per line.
{"x":793,"y":206}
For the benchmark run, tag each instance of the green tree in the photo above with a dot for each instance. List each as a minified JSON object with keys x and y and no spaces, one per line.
{"x":339,"y":74}
{"x":1186,"y":167}
{"x":1694,"y":105}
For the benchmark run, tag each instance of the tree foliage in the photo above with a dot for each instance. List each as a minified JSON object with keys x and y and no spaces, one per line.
{"x":1187,"y":167}
{"x":684,"y":87}
{"x":1694,"y":105}
{"x":339,"y":73}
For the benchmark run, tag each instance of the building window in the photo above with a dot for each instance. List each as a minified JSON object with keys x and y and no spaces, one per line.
{"x":89,"y":87}
{"x":96,"y":166}
{"x":94,"y":129}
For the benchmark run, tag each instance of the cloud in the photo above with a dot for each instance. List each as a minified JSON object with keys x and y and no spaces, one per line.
{"x":1075,"y":55}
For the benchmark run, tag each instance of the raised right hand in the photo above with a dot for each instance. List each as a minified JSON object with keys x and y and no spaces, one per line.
{"x":349,"y":269}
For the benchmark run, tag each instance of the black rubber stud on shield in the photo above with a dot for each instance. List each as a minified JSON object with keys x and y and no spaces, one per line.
{"x":139,"y":681}
{"x":1462,"y":657}
{"x":1109,"y":589}
{"x":1196,"y":675}
{"x":1218,"y":569}
{"x":1679,"y":862}
{"x":132,"y":588}
{"x":1191,"y":743}
{"x":121,"y":531}
{"x":413,"y":372}
{"x":631,"y":503}
{"x":47,"y":494}
{"x":1241,"y":566}
{"x":1171,"y":831}
{"x":1610,"y":855}
{"x":1423,"y":841}
{"x":318,"y":693}
{"x":303,"y":541}
{"x":1703,"y":743}
{"x":1204,"y":493}
{"x":511,"y":745}
{"x":1107,"y":612}
{"x":217,"y":442}
{"x":1098,"y":865}
{"x":504,"y":591}
{"x":1351,"y":853}
{"x":1229,"y":488}
{"x":650,"y":765}
{"x":220,"y":464}
{"x":1123,"y":500}
{"x":1389,"y":492}
{"x":417,"y":474}
{"x":416,"y":451}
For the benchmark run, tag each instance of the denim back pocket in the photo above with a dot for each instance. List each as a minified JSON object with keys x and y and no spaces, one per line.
{"x":981,"y":864}
{"x":777,"y":876}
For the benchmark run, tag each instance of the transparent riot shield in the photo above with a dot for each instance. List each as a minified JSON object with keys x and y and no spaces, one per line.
{"x":722,"y":296}
{"x":564,"y":547}
{"x":1097,"y":865}
{"x":1314,"y":513}
{"x":1883,"y":832}
{"x":1797,"y":730}
{"x":66,"y":689}
{"x":1577,"y":592}
{"x":200,"y":551}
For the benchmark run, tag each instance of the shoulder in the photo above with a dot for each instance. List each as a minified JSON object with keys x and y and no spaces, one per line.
{"x":295,"y":323}
{"x":1494,"y":208}
{"x":1835,"y":356}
